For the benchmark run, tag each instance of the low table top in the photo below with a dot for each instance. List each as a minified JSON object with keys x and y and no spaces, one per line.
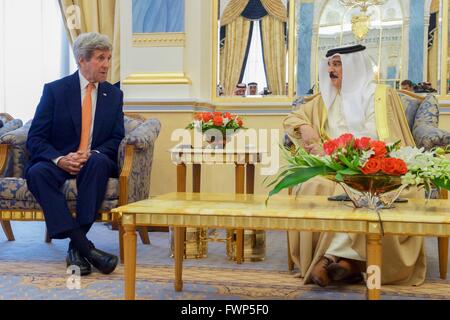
{"x":287,"y":212}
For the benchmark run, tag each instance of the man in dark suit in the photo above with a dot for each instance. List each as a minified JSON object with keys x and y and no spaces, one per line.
{"x":75,"y":134}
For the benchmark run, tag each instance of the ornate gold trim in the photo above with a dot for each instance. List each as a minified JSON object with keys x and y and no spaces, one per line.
{"x":164,"y":39}
{"x":212,"y":107}
{"x":156,"y":78}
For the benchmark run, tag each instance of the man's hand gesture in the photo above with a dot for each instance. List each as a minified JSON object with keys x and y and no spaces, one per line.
{"x":311,"y":140}
{"x":73,"y":162}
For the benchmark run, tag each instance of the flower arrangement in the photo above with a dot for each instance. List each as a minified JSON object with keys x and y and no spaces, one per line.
{"x":224,"y":122}
{"x":349,"y":156}
{"x":217,"y":127}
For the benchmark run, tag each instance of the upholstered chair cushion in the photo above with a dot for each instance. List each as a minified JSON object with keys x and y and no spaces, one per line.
{"x":4,"y":118}
{"x":426,"y":130}
{"x":411,"y":106}
{"x":14,"y":194}
{"x":10,"y":125}
{"x":131,"y":123}
{"x":143,"y":139}
{"x":18,"y":155}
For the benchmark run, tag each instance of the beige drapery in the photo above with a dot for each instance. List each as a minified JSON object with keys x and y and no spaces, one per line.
{"x":276,"y":9}
{"x":274,"y":50}
{"x":234,"y":9}
{"x":233,"y":52}
{"x":100,"y":16}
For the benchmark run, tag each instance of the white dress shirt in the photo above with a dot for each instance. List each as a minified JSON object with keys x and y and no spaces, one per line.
{"x":83,"y":86}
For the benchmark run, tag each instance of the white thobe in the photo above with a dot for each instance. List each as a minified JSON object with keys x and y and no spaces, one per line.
{"x":335,"y":126}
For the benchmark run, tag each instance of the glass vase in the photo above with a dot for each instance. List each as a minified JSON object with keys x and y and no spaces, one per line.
{"x":371,"y":191}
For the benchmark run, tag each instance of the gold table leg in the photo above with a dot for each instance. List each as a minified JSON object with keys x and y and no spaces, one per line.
{"x":130,"y":261}
{"x":443,"y":256}
{"x":179,"y":251}
{"x":239,"y":188}
{"x":181,"y":177}
{"x":196,"y":177}
{"x":374,"y":249}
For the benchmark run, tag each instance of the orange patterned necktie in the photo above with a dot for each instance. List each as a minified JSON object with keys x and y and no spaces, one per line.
{"x":86,"y":118}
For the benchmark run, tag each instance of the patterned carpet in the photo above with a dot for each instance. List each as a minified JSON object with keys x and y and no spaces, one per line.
{"x":32,"y":269}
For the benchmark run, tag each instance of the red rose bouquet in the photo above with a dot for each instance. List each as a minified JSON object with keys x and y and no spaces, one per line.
{"x":217,"y":127}
{"x":385,"y":166}
{"x":224,"y":122}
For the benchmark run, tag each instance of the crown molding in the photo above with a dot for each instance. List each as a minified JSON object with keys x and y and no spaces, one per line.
{"x":164,"y":39}
{"x":156,"y":78}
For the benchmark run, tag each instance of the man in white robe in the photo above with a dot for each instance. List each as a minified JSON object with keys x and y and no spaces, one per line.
{"x":350,"y":102}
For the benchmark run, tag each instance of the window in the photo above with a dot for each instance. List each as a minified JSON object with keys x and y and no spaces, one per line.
{"x":254,"y":70}
{"x":33,"y":51}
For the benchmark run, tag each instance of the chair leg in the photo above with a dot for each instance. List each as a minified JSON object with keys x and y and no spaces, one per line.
{"x":114,"y":225}
{"x":6,"y":225}
{"x":290,"y":262}
{"x":443,"y":256}
{"x":143,"y":233}
{"x":121,"y":233}
{"x":47,"y":238}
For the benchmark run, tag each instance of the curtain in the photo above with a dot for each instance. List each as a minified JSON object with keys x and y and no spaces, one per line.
{"x":233,"y":53}
{"x":276,"y":8}
{"x":254,"y":10}
{"x":100,"y":16}
{"x":235,"y":8}
{"x":274,"y":53}
{"x":232,"y":11}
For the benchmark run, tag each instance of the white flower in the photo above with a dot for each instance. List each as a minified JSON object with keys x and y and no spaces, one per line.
{"x":225,"y":121}
{"x":197,"y":124}
{"x":407,"y":154}
{"x":366,"y":156}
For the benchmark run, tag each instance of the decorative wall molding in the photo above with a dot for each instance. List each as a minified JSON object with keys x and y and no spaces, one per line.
{"x":156,"y":78}
{"x":189,"y":105}
{"x":164,"y":39}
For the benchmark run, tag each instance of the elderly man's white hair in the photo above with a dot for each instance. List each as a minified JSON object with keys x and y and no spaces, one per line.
{"x":86,"y":43}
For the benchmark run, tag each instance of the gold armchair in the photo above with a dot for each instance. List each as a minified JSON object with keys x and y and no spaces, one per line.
{"x":135,"y":158}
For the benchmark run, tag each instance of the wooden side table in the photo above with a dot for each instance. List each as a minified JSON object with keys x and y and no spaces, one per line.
{"x":244,"y":161}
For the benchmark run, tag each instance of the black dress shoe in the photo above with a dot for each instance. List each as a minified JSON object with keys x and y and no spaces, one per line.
{"x":75,"y":258}
{"x":104,"y":262}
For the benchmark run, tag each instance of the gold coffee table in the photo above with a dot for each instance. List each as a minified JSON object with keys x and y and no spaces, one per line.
{"x":240,"y":211}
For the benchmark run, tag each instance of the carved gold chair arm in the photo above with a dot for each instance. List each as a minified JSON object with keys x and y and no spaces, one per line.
{"x":3,"y":157}
{"x":125,"y":174}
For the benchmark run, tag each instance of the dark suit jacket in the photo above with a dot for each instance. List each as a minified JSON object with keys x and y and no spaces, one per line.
{"x":56,"y":127}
